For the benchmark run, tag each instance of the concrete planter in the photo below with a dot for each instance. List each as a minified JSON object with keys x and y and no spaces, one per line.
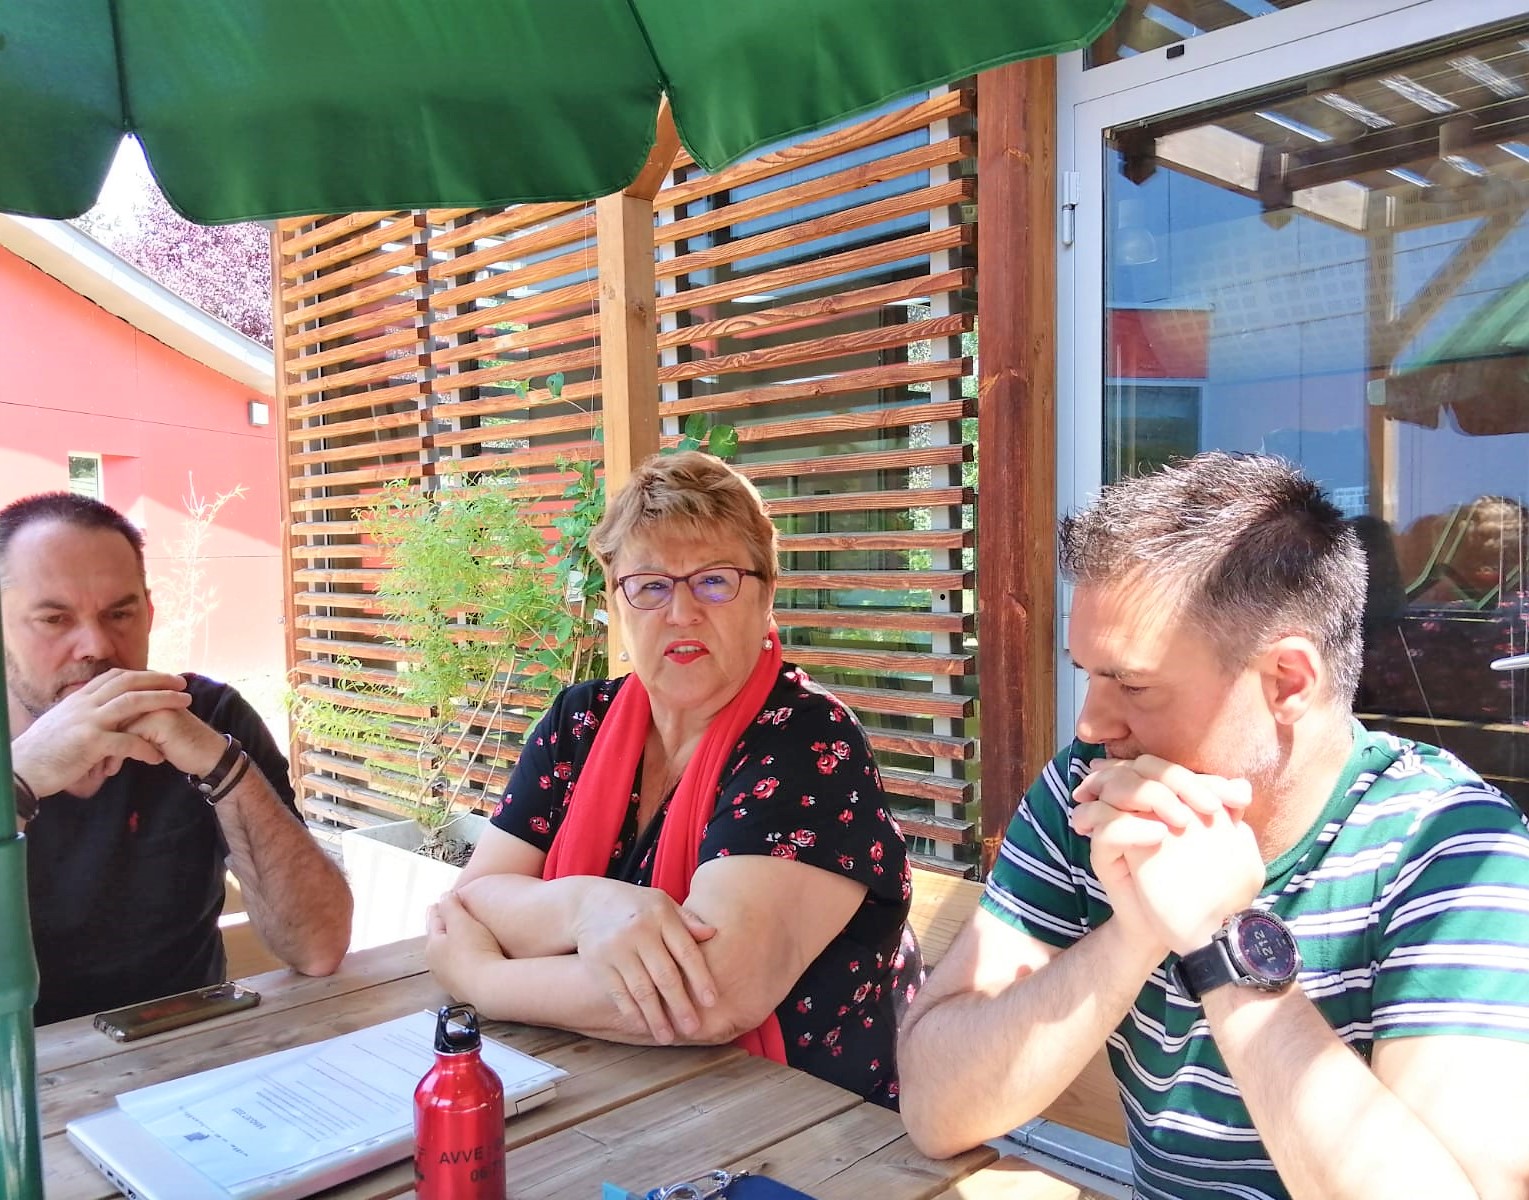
{"x":392,"y":884}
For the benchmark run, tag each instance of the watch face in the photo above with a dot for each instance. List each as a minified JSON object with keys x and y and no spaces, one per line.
{"x":1265,"y":948}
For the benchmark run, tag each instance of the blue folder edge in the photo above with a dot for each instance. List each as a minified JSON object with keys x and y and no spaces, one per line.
{"x":749,"y":1187}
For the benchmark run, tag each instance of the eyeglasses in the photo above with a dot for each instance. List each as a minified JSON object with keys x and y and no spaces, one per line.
{"x":711,"y":585}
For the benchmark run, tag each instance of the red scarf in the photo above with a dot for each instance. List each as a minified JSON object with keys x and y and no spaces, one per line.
{"x":603,"y":790}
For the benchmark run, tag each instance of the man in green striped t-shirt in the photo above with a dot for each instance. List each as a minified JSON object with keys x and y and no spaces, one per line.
{"x":1305,"y":945}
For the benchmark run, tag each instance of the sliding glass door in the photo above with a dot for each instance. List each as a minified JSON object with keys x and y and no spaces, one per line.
{"x":1306,"y":235}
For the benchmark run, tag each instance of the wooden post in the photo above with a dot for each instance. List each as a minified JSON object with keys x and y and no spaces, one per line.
{"x":1016,"y":424}
{"x":628,"y":324}
{"x":628,"y":333}
{"x":289,"y":587}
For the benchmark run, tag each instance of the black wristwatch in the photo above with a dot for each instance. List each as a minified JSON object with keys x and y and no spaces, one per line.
{"x":1252,"y":949}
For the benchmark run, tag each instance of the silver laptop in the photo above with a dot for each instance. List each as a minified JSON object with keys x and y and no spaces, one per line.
{"x":166,"y":1142}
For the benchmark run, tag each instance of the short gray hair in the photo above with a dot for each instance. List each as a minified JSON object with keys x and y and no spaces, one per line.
{"x":1249,"y":547}
{"x":82,"y":512}
{"x":693,"y":493}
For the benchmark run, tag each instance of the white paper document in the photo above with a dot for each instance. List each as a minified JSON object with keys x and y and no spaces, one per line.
{"x":304,"y":1118}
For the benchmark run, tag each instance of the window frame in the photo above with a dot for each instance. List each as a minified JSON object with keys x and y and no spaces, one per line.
{"x":74,"y":456}
{"x":1211,"y":70}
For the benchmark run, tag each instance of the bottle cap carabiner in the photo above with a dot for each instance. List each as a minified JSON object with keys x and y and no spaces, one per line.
{"x":709,"y":1186}
{"x":456,"y":1029}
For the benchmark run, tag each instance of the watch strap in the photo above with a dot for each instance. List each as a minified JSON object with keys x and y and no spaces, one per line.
{"x":1209,"y":967}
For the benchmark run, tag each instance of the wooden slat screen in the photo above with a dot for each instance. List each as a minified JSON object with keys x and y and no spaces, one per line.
{"x":816,"y":298}
{"x":404,"y":365}
{"x":353,"y":347}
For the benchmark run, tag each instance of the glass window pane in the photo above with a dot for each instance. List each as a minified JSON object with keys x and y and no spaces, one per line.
{"x":1340,"y":274}
{"x":85,"y":475}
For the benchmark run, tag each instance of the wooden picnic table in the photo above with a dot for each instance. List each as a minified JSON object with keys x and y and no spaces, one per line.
{"x":631,"y":1115}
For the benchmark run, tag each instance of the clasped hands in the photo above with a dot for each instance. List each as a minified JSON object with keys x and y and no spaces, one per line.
{"x":87,"y":736}
{"x":643,"y":947}
{"x":1169,"y":847}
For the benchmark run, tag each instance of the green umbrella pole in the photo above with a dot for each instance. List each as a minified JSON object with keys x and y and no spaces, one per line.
{"x":21,"y":1160}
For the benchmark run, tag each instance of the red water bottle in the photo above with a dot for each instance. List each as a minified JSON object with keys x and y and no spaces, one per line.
{"x":459,"y":1116}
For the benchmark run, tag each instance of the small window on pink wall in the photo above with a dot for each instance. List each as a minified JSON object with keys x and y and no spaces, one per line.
{"x":85,"y":478}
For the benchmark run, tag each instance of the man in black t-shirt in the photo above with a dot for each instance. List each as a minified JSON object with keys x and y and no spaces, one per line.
{"x":137,"y":788}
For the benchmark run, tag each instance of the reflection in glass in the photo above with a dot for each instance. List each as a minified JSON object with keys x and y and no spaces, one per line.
{"x":1145,"y":25}
{"x":1339,"y":273}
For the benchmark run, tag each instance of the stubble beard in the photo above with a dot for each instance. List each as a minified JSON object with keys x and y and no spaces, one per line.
{"x":25,"y":691}
{"x":1266,"y":767}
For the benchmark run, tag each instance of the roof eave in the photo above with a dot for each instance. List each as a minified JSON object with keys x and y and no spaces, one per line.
{"x":81,"y":263}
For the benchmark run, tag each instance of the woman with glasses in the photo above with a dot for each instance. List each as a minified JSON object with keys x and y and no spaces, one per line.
{"x":700,"y":851}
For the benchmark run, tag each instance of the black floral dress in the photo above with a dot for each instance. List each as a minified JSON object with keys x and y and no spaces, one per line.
{"x":801,"y":785}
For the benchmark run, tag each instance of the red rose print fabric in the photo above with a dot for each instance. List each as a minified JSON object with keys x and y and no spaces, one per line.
{"x":801,"y":785}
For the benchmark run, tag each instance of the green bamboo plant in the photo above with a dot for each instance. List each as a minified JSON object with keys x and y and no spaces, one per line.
{"x":487,"y":634}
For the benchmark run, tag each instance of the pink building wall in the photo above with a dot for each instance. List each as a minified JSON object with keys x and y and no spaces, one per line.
{"x":75,"y":379}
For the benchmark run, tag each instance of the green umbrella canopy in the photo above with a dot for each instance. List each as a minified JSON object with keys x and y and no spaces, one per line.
{"x":1478,"y":371}
{"x":267,"y":108}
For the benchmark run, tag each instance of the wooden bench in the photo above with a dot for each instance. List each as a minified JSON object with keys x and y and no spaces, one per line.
{"x":942,"y":905}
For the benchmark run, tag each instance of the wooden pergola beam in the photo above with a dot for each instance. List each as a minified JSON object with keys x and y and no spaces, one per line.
{"x":628,"y":320}
{"x":628,"y":325}
{"x":628,"y":333}
{"x":1445,"y":283}
{"x":666,"y":146}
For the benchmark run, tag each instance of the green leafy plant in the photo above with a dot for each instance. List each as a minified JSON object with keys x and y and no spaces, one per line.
{"x":577,"y":570}
{"x":487,"y":636}
{"x":700,"y":434}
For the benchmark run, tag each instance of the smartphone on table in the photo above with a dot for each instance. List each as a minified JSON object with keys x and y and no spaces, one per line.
{"x":172,"y":1012}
